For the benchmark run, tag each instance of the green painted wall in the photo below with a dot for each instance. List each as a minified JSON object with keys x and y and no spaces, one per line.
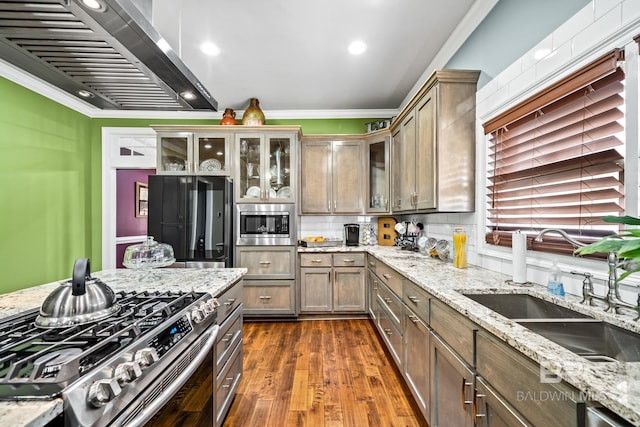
{"x":45,"y":223}
{"x":51,"y":171}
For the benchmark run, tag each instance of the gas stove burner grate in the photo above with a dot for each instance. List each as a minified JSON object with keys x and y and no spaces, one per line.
{"x":39,"y":362}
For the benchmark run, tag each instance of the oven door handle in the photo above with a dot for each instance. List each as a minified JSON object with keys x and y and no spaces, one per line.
{"x":170,"y":391}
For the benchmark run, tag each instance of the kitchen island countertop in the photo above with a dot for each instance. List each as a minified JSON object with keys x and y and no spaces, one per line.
{"x":212,"y":280}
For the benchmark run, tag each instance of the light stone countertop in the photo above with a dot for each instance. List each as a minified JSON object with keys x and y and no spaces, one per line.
{"x":615,"y":385}
{"x":212,"y":280}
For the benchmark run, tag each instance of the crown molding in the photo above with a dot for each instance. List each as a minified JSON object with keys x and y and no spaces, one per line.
{"x":47,"y":90}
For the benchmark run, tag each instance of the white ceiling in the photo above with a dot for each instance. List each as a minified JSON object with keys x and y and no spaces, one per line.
{"x":292,"y":54}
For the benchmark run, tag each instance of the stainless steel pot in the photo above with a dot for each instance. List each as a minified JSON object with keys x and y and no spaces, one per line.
{"x":83,"y":299}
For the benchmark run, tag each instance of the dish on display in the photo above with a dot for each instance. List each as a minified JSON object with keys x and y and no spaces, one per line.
{"x":272,"y":193}
{"x":253,"y":192}
{"x":284,"y":193}
{"x":210,"y":165}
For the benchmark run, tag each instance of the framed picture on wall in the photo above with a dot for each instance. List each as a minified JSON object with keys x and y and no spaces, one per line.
{"x":142,"y":200}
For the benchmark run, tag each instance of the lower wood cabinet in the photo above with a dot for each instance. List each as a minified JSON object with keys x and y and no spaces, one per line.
{"x":332,"y":283}
{"x":452,"y":386}
{"x":227,"y":351}
{"x":416,"y":339}
{"x":269,"y":298}
{"x":491,"y":410}
{"x":269,"y":285}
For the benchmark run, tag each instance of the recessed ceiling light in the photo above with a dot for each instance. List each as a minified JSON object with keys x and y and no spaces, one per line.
{"x":85,"y":93}
{"x":357,"y":47}
{"x":187,"y":95}
{"x":95,"y":5}
{"x":210,"y":49}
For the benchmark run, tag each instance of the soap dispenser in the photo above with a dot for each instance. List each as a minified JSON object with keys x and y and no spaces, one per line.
{"x":554,"y":282}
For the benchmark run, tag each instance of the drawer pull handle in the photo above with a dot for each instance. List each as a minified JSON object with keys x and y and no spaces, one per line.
{"x":386,"y":276}
{"x":349,"y":260}
{"x":265,"y":297}
{"x":316,"y":260}
{"x":265,"y":262}
{"x":388,"y":332}
{"x":230,"y":302}
{"x":388,"y":300}
{"x":476,"y":398}
{"x":372,"y":264}
{"x":464,"y":400}
{"x":228,"y":381}
{"x":413,"y":318}
{"x":414,"y":300}
{"x":227,"y":337}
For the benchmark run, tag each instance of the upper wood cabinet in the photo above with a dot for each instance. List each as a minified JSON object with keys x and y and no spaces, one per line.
{"x":433,"y":143}
{"x":378,"y":172}
{"x":261,"y":160}
{"x":332,"y":175}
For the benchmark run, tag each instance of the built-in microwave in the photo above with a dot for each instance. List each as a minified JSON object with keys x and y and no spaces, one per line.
{"x":265,"y":224}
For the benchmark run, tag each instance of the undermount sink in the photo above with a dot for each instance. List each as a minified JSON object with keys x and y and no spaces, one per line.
{"x":594,"y":340}
{"x":523,"y":306}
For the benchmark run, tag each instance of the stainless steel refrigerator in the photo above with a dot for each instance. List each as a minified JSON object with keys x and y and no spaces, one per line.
{"x":194,"y":215}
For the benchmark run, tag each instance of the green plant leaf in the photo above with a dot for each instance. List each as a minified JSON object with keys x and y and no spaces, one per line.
{"x":629,"y":220}
{"x":627,"y":274}
{"x":604,"y":245}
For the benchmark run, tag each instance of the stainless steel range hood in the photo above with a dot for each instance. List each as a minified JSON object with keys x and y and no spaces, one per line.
{"x":111,"y":54}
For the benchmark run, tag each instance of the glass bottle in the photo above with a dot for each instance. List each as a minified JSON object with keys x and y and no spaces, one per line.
{"x":253,"y":115}
{"x":459,"y":247}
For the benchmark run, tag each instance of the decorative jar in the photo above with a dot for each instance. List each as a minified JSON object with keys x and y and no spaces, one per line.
{"x":253,"y":116}
{"x":229,"y":117}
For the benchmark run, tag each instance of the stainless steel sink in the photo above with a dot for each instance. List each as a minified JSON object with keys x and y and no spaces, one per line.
{"x":523,"y":306}
{"x":594,"y":340}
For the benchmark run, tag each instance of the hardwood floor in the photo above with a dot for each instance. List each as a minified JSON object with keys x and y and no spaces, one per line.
{"x":319,"y":373}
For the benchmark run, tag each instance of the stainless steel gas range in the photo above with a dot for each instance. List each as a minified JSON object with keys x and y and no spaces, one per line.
{"x":115,"y":371}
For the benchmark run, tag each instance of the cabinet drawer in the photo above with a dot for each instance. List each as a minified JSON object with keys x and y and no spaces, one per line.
{"x":315,"y":260}
{"x":392,"y":303}
{"x":390,"y":277}
{"x":417,"y":299}
{"x":454,"y":328}
{"x":226,"y":384}
{"x":390,"y":333}
{"x":267,"y":262}
{"x":348,"y":260}
{"x":229,"y":335}
{"x":517,"y":379}
{"x":269,"y":297}
{"x":229,"y":301}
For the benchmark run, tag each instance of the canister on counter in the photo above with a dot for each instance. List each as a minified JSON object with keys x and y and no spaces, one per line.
{"x":459,"y":247}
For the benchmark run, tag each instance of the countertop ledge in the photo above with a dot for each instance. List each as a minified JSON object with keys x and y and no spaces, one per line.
{"x":37,"y":413}
{"x":615,"y":385}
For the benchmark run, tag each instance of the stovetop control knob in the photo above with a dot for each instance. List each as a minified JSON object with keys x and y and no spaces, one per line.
{"x":206,"y":308}
{"x":197,"y":315}
{"x":103,"y":391}
{"x":213,"y":302}
{"x":146,"y":357}
{"x":127,"y":372}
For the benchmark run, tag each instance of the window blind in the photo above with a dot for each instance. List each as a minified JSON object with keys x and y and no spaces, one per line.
{"x":555,"y":160}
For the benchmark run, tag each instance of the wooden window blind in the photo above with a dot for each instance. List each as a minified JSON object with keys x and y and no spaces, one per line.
{"x":555,"y":160}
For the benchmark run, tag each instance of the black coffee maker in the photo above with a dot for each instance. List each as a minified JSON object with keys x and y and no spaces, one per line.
{"x":352,"y":234}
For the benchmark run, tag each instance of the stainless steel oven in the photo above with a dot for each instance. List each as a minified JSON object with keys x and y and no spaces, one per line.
{"x":265,"y":224}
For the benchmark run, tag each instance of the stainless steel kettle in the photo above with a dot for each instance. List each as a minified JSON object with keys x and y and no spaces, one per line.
{"x":83,"y":299}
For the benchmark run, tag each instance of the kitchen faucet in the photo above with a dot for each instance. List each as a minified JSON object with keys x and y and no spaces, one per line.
{"x":613,"y":300}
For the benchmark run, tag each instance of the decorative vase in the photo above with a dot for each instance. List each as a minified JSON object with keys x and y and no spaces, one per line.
{"x":229,"y":117}
{"x":253,"y":116}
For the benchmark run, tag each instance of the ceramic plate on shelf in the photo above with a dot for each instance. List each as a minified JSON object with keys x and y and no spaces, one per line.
{"x":210,"y":165}
{"x":284,"y":193}
{"x":272,"y":193}
{"x":253,"y":192}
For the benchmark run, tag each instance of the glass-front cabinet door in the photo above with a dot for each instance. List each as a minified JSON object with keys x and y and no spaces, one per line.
{"x":378,"y":173}
{"x":174,"y":153}
{"x":212,"y":154}
{"x":278,"y":175}
{"x":265,"y":171}
{"x":250,"y":172}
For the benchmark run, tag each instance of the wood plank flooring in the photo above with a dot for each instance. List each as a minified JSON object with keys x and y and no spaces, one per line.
{"x":319,"y":373}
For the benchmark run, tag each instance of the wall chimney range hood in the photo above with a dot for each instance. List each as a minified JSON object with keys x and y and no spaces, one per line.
{"x":107,"y":54}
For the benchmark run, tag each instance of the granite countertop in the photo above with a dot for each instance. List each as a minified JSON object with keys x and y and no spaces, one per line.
{"x":615,"y":385}
{"x":212,"y":280}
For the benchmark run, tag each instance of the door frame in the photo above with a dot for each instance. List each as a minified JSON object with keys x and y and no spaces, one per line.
{"x":112,"y":160}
